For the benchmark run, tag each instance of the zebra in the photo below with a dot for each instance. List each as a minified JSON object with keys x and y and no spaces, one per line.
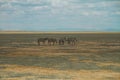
{"x":43,"y":40}
{"x":52,"y":41}
{"x":71,"y":40}
{"x":61,"y":41}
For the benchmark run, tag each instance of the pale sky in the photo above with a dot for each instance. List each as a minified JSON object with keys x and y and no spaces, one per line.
{"x":60,"y":15}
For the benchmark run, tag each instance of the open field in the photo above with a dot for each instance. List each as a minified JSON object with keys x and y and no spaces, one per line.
{"x":96,"y":56}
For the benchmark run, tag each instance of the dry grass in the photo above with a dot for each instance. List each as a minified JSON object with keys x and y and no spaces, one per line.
{"x":95,"y":57}
{"x":62,"y":75}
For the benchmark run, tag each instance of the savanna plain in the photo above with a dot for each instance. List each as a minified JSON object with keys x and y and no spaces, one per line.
{"x":95,"y":56}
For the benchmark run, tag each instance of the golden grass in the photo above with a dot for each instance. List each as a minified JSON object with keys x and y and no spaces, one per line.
{"x":83,"y":49}
{"x":75,"y":75}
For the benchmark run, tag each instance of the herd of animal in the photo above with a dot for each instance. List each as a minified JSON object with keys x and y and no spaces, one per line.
{"x":60,"y":41}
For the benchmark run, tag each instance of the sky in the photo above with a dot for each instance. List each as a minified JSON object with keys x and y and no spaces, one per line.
{"x":60,"y":15}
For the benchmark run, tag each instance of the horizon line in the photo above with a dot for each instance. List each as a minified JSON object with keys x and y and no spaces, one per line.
{"x":58,"y":32}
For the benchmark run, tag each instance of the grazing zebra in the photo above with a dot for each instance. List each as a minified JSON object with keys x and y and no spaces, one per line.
{"x":71,"y":40}
{"x":52,"y":41}
{"x":42,"y":40}
{"x":61,"y":41}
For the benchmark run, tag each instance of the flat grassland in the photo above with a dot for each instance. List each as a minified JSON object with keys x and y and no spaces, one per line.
{"x":96,"y":56}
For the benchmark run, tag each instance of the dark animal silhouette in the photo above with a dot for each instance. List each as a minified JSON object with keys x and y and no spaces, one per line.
{"x":61,"y":41}
{"x":71,"y":40}
{"x":42,"y":40}
{"x":52,"y":41}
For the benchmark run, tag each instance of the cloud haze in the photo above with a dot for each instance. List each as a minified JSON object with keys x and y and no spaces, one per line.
{"x":64,"y":15}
